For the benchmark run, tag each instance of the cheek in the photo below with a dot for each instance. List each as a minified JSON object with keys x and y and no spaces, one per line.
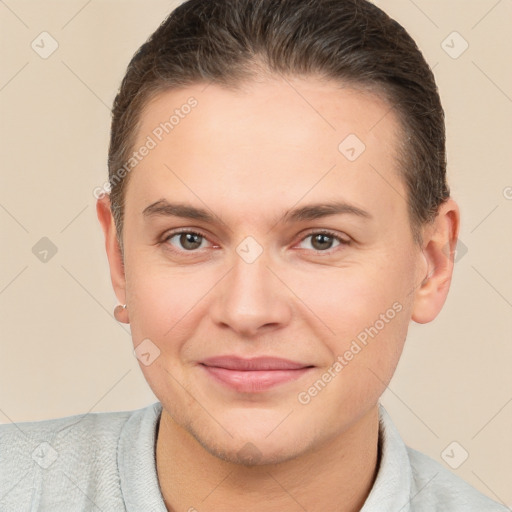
{"x":164,"y":305}
{"x":362,"y":362}
{"x":367,"y":310}
{"x":349,"y":299}
{"x":163,"y":300}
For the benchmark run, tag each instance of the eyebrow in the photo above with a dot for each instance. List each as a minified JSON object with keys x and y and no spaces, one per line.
{"x":165,"y":208}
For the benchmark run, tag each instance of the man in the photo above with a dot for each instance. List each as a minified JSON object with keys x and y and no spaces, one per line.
{"x":278,"y":214}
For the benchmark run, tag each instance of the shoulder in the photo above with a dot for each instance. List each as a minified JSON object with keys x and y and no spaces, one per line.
{"x":36,"y":441}
{"x":100,"y":421}
{"x":410,"y":481}
{"x":437,"y":488}
{"x":43,"y":462}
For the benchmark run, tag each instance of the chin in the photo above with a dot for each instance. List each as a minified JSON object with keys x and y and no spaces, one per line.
{"x":251,"y":453}
{"x":250,"y":445}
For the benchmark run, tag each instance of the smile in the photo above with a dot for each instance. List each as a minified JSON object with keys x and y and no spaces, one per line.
{"x":253,"y":375}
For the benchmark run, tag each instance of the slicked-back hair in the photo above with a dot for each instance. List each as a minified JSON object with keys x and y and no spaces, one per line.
{"x":231,"y":42}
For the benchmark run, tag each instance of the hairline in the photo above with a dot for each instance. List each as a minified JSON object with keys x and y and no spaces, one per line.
{"x":403,"y":154}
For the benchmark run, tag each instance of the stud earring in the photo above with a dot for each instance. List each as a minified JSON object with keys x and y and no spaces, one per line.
{"x":119,"y":313}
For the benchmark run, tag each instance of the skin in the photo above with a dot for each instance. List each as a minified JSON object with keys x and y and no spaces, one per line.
{"x":249,"y":156}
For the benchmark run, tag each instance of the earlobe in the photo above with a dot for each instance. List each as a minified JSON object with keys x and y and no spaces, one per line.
{"x":115,"y":259}
{"x":440,"y":239}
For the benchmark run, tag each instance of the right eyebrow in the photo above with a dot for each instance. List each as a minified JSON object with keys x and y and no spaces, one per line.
{"x":320,"y":210}
{"x":167,"y":209}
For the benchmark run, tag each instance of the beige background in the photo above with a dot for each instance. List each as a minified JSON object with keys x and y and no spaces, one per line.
{"x":62,"y":353}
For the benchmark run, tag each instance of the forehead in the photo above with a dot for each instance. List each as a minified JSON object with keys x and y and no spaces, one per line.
{"x":268,"y":143}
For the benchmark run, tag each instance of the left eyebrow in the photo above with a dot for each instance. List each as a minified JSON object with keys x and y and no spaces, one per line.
{"x":317,"y":211}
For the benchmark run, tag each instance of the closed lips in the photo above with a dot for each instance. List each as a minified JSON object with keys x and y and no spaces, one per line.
{"x":254,"y":375}
{"x":254,"y":364}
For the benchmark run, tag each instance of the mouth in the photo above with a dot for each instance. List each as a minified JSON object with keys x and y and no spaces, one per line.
{"x":253,"y":375}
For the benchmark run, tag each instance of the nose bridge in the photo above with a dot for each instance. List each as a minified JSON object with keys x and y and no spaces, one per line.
{"x":250,"y":275}
{"x":250,"y":296}
{"x":250,"y":286}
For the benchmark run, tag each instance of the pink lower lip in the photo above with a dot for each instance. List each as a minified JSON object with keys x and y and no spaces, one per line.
{"x":252,"y":381}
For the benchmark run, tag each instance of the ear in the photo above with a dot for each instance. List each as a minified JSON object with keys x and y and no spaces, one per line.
{"x":112,"y":247}
{"x":439,"y":244}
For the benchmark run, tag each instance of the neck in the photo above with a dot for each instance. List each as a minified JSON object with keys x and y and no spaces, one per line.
{"x":336,"y":476}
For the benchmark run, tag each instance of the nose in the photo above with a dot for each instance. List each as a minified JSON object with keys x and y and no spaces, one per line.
{"x":251,"y":299}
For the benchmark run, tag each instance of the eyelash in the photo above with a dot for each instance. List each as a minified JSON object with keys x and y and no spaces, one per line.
{"x":331,"y":234}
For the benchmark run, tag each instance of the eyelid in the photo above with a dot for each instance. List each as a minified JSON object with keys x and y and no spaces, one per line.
{"x":169,"y":234}
{"x":333,"y":234}
{"x":312,"y":231}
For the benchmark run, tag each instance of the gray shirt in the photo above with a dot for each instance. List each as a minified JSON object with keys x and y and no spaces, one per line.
{"x":106,"y":462}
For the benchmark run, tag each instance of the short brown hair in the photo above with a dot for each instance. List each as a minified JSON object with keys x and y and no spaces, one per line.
{"x":349,"y":41}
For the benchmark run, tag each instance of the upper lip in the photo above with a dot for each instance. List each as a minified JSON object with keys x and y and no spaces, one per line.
{"x":255,"y":363}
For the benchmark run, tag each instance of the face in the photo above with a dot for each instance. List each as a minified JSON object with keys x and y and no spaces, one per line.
{"x":261,"y":226}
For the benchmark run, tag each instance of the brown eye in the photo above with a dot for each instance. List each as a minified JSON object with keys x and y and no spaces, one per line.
{"x":324,"y":241}
{"x":186,"y":240}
